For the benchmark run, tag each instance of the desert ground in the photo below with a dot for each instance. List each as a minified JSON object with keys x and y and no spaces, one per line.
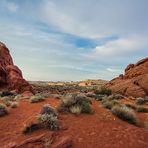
{"x":99,"y":128}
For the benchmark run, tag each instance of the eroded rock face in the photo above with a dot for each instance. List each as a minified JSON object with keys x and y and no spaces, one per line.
{"x":10,"y":75}
{"x":134,"y":82}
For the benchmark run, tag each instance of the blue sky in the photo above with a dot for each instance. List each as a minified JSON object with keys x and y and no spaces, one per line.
{"x":63,"y":40}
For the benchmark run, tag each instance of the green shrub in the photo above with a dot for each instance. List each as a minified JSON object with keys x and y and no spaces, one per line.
{"x":30,"y":128}
{"x":108,"y":104}
{"x":75,"y":99}
{"x":75,"y":109}
{"x":48,"y":121}
{"x":35,"y":99}
{"x":3,"y":110}
{"x":103,"y":91}
{"x":140,"y":101}
{"x":125,"y":114}
{"x":47,"y":109}
{"x":130,"y":106}
{"x":115,"y":96}
{"x":142,"y":109}
{"x":14,"y":104}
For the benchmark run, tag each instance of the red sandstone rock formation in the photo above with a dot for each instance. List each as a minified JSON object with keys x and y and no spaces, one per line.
{"x":134,"y":82}
{"x":10,"y":75}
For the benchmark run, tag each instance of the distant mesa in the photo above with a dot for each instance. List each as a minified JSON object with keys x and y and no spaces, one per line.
{"x":11,"y":77}
{"x":134,"y":82}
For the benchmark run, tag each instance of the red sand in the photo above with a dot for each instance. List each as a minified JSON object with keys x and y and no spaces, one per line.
{"x":100,"y":129}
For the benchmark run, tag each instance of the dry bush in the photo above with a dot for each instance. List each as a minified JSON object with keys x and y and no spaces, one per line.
{"x":37,"y":98}
{"x":75,"y":110}
{"x":3,"y":110}
{"x":125,"y":114}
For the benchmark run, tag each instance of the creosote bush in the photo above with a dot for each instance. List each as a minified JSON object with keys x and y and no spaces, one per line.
{"x":142,"y":109}
{"x":125,"y":114}
{"x":48,"y":121}
{"x":3,"y":110}
{"x":75,"y":99}
{"x":140,"y":101}
{"x":37,"y":98}
{"x":47,"y":109}
{"x":30,"y":128}
{"x":103,"y":91}
{"x":75,"y":109}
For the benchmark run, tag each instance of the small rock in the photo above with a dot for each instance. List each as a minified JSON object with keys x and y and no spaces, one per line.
{"x":64,"y":142}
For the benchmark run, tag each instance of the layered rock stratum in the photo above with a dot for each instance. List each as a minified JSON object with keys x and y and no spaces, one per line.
{"x":134,"y":82}
{"x":11,"y":77}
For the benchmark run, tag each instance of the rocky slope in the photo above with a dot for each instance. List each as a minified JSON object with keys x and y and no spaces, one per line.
{"x":134,"y":82}
{"x":10,"y":75}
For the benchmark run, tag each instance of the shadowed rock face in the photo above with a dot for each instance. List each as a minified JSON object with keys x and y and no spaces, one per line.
{"x":134,"y":82}
{"x":10,"y":75}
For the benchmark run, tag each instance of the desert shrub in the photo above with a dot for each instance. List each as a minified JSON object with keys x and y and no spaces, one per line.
{"x":48,"y":121}
{"x":6,"y":93}
{"x":140,"y":101}
{"x":30,"y":128}
{"x":47,"y":109}
{"x":99,"y":97}
{"x":125,"y":114}
{"x":103,"y":91}
{"x":142,"y":109}
{"x":109,"y":104}
{"x":3,"y":110}
{"x":130,"y":106}
{"x":91,"y":95}
{"x":115,"y":96}
{"x":75,"y":99}
{"x":14,"y":104}
{"x":37,"y":98}
{"x":75,"y":109}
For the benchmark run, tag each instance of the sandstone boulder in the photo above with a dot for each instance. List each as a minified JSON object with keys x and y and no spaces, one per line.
{"x":11,"y":77}
{"x":134,"y":82}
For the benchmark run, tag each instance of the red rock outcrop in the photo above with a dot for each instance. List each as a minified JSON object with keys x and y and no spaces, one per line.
{"x":134,"y":82}
{"x":11,"y":77}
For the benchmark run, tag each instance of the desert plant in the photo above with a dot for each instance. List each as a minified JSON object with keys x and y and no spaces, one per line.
{"x":142,"y":109}
{"x":75,"y":99}
{"x":47,"y":109}
{"x":108,"y":104}
{"x":30,"y":128}
{"x":130,"y":106}
{"x":14,"y":104}
{"x":48,"y":121}
{"x":37,"y":98}
{"x":75,"y":109}
{"x":3,"y":110}
{"x":125,"y":114}
{"x":115,"y":96}
{"x":6,"y":93}
{"x":103,"y":91}
{"x":140,"y":101}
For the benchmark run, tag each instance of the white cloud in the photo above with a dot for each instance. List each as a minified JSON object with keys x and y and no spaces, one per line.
{"x":120,"y":47}
{"x":12,"y":7}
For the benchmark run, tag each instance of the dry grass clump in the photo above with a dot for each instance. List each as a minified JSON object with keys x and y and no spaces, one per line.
{"x":142,"y":109}
{"x":3,"y":110}
{"x":75,"y":99}
{"x":14,"y":104}
{"x":46,"y":119}
{"x":30,"y":128}
{"x":115,"y":97}
{"x":103,"y":91}
{"x":75,"y":110}
{"x":37,"y":98}
{"x":125,"y":114}
{"x":140,"y":101}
